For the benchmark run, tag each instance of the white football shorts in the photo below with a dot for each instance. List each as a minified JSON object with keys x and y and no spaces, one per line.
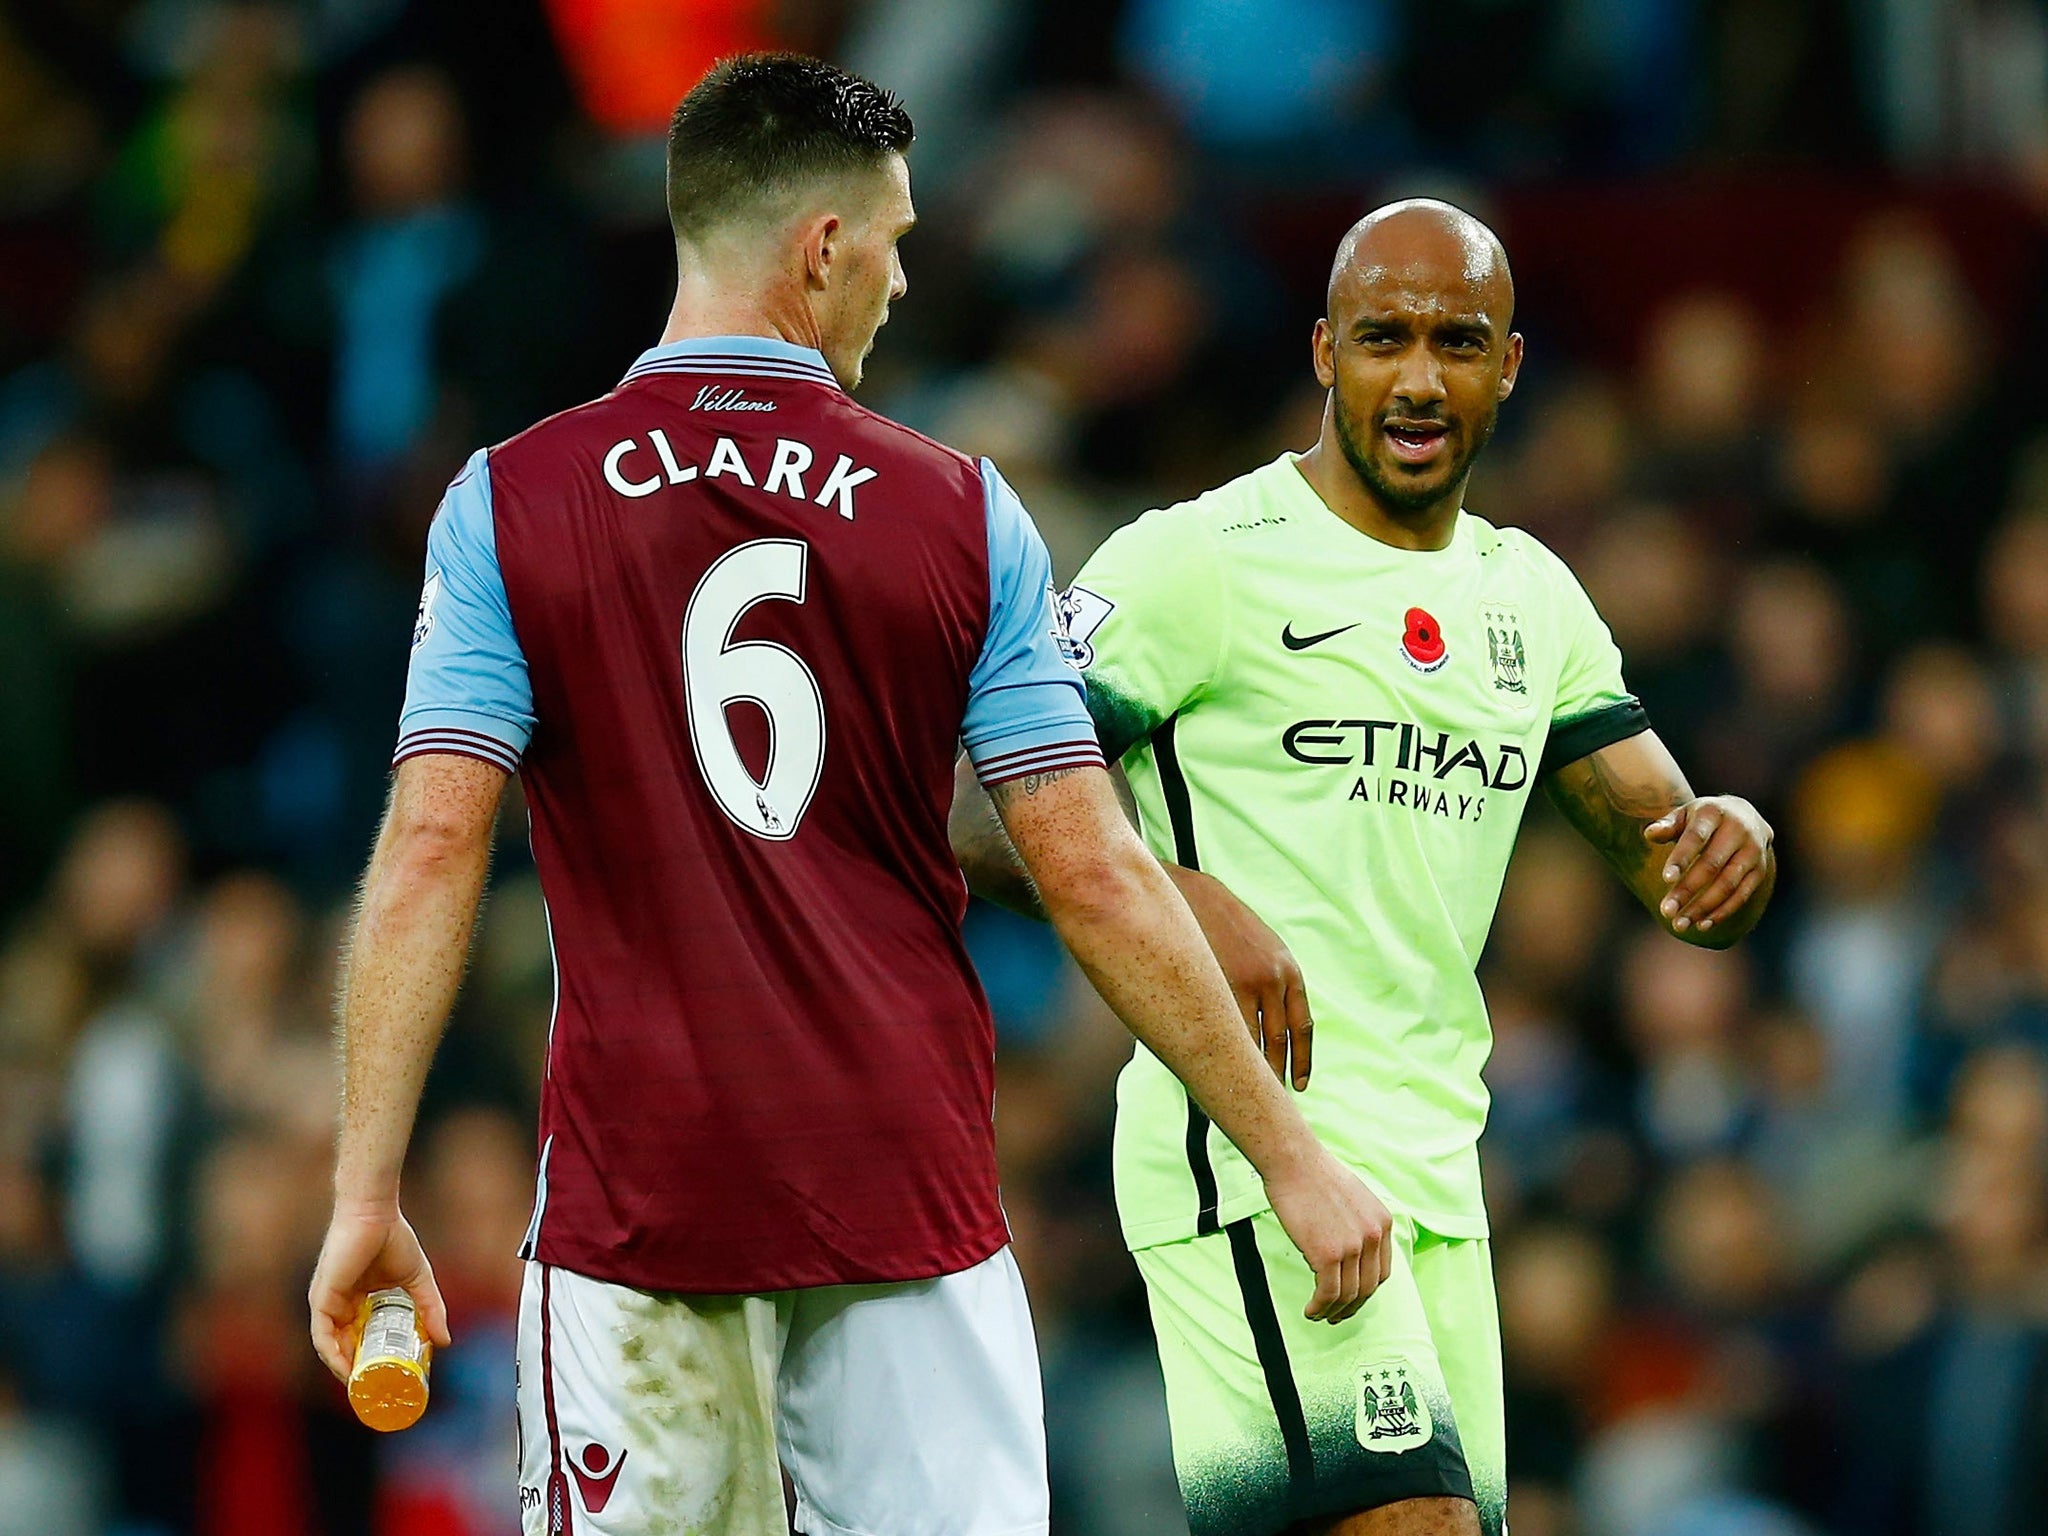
{"x":898,"y":1410}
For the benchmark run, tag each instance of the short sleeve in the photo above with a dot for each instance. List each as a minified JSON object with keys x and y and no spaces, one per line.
{"x":467,"y":689}
{"x":1145,"y":622}
{"x":1026,"y":709}
{"x":1594,"y":708}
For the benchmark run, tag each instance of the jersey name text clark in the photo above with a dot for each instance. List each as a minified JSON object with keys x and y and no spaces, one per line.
{"x":786,"y":468}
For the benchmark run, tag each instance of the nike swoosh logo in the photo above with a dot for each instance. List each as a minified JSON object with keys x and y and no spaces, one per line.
{"x":1295,"y":642}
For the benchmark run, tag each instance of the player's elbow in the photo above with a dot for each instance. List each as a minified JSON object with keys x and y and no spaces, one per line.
{"x":424,"y":840}
{"x":442,"y":812}
{"x":1098,"y":886}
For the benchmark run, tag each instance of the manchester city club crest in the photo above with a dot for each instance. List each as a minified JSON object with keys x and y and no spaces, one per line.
{"x":1392,"y":1416}
{"x":1504,"y":647}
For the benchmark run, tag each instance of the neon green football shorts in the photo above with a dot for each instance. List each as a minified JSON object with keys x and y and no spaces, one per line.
{"x":1277,"y":1419}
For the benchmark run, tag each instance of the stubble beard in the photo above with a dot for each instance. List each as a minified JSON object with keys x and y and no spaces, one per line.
{"x":1403,"y":499}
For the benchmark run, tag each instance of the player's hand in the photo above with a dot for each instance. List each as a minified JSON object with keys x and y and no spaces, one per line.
{"x":365,"y":1251}
{"x":1341,"y":1228}
{"x":1261,"y":970}
{"x":1720,"y":848}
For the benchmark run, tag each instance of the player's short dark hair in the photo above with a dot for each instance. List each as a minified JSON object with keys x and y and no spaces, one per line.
{"x":760,"y":125}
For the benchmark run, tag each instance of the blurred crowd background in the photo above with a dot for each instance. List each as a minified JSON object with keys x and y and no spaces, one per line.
{"x":1771,"y":1226}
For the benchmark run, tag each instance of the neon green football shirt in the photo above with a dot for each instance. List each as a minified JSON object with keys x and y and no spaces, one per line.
{"x":1345,"y":734}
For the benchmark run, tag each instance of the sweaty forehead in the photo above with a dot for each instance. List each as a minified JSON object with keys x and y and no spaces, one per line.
{"x":1422,"y":262}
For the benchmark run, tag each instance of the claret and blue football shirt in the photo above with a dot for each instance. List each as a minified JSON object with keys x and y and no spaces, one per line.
{"x":730,"y":629}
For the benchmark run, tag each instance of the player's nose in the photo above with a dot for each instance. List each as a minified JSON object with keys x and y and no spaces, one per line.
{"x":1420,"y":379}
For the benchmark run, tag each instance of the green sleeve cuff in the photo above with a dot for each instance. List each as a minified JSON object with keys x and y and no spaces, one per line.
{"x":1121,"y":722}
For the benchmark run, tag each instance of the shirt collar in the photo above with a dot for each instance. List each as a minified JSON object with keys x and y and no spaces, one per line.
{"x":740,"y":357}
{"x":1286,"y":471}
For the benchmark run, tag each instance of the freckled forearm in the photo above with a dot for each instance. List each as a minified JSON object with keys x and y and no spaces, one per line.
{"x":403,"y":969}
{"x":1140,"y":946}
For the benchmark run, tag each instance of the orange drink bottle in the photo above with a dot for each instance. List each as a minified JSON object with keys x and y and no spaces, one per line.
{"x":388,"y":1385}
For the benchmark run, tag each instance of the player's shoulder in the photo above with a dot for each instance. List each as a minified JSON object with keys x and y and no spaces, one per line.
{"x":1519,"y":554}
{"x":889,"y":433}
{"x":559,"y":434}
{"x":1244,"y":507}
{"x":1248,"y":506}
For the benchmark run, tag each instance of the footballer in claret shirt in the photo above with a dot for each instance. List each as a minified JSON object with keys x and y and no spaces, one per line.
{"x":731,"y":631}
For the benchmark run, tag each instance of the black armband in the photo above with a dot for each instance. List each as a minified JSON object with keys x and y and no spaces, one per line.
{"x":1583,"y":735}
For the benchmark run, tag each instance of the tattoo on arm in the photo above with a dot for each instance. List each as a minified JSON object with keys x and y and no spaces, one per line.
{"x":1610,"y":796}
{"x":981,"y":842}
{"x":1004,"y":793}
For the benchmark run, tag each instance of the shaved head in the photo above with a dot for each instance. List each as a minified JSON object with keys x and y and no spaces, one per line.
{"x":1418,"y":350}
{"x":1420,"y":237}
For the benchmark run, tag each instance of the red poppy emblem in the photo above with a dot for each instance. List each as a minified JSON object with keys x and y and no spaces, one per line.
{"x":1423,"y":640}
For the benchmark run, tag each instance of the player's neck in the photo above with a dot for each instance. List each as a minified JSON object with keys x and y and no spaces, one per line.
{"x":704,"y":308}
{"x":1332,"y":478}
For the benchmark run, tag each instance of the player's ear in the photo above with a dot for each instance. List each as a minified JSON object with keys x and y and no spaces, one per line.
{"x":819,"y":240}
{"x":1510,"y":366}
{"x":1324,"y":347}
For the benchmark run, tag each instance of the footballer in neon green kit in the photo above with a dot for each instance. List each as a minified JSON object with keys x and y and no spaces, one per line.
{"x":1333,"y":691}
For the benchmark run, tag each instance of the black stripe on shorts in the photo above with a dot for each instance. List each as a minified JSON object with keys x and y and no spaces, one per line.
{"x":1257,"y":1291}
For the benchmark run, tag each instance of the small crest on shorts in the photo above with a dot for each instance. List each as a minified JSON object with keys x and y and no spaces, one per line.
{"x":1392,"y":1416}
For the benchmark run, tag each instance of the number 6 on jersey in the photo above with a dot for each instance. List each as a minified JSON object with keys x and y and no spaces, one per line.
{"x":717,"y":672}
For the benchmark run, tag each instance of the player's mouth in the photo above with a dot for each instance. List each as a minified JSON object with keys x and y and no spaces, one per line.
{"x":1415,"y":442}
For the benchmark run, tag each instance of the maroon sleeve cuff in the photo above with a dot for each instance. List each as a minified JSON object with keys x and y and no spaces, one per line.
{"x":1048,"y":758}
{"x":458,"y":743}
